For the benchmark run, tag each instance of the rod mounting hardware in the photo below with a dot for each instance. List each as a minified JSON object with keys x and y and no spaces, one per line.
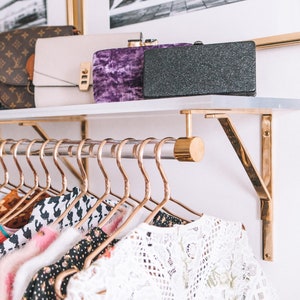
{"x":262,"y":184}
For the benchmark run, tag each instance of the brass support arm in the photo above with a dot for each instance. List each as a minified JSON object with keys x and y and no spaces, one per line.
{"x":262,"y":185}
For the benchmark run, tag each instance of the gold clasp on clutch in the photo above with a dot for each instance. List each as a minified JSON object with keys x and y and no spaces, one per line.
{"x":139,"y":43}
{"x":85,"y":73}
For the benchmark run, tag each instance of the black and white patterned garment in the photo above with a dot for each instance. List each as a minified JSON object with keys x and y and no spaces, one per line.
{"x":48,"y":210}
{"x":42,"y":283}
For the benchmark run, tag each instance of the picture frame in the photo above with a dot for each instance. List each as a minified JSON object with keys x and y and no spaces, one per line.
{"x":75,"y":14}
{"x":68,"y":12}
{"x":275,"y":41}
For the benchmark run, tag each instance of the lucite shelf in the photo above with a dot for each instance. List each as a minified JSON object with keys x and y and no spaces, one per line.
{"x":240,"y":104}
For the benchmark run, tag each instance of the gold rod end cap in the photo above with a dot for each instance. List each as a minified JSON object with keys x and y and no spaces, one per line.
{"x":189,"y":149}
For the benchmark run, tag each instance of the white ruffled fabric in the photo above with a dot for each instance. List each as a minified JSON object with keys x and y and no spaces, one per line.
{"x":207,"y":259}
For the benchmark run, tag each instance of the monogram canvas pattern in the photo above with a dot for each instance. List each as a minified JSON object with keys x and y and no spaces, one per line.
{"x":16,"y":46}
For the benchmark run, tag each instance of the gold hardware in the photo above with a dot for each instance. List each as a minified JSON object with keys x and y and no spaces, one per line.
{"x":192,"y":149}
{"x":189,"y":149}
{"x":267,"y":234}
{"x":139,"y":43}
{"x":85,"y":74}
{"x":262,"y":185}
{"x":151,"y":42}
{"x":135,"y":43}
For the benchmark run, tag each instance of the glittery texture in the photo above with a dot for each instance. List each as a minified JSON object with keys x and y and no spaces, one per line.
{"x":225,"y":68}
{"x":118,"y":73}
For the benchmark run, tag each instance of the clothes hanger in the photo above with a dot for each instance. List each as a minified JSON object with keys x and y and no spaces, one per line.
{"x":130,"y":197}
{"x":84,"y":183}
{"x":66,"y":273}
{"x":167,"y":193}
{"x":4,"y":167}
{"x":146,"y":198}
{"x":107,"y":184}
{"x":98,"y":250}
{"x":40,"y":193}
{"x":64,"y":182}
{"x":7,"y":184}
{"x":35,"y":176}
{"x":125,"y":180}
{"x":169,"y":211}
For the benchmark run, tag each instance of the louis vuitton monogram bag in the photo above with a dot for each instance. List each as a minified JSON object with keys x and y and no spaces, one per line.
{"x":16,"y":49}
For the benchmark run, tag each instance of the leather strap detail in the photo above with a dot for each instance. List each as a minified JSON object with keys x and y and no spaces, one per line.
{"x":30,"y":67}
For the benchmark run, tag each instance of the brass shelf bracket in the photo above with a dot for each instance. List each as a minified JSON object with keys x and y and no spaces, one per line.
{"x":43,"y":134}
{"x":262,"y":184}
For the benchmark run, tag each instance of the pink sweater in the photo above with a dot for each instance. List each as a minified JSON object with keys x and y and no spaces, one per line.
{"x":10,"y":263}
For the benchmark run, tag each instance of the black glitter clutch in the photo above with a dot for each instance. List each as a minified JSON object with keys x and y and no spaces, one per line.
{"x":224,"y":68}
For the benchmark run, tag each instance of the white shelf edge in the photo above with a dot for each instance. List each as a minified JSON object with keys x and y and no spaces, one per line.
{"x":156,"y":106}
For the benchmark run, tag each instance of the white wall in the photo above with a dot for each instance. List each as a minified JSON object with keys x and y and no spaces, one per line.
{"x":218,"y":185}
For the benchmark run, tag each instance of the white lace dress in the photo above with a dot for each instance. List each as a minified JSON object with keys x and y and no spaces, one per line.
{"x":207,"y":259}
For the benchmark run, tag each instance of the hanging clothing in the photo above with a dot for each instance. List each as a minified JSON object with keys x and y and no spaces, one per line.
{"x":66,"y":240}
{"x":11,"y":262}
{"x":48,"y":210}
{"x":42,"y":284}
{"x":6,"y":232}
{"x":206,"y":259}
{"x":9,"y":202}
{"x":44,"y":212}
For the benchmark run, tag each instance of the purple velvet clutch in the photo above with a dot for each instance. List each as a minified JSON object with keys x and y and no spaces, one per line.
{"x":118,"y":73}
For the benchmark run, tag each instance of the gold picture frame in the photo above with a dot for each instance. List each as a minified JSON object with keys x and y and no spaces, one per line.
{"x":75,"y":14}
{"x":281,"y":40}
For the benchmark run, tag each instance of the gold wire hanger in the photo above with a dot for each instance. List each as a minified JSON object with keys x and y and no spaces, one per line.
{"x":5,"y":183}
{"x":146,"y":198}
{"x":14,"y":149}
{"x":106,"y":182}
{"x":35,"y":176}
{"x":59,"y":279}
{"x":97,"y":251}
{"x":118,"y":159}
{"x":126,"y":183}
{"x":84,"y":183}
{"x":169,"y":211}
{"x":64,"y":182}
{"x":167,"y":193}
{"x":40,"y":193}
